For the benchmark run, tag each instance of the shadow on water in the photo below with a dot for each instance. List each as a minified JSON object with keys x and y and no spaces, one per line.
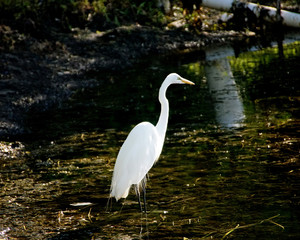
{"x":230,"y":164}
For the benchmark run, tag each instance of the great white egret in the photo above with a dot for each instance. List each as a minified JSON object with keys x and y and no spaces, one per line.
{"x":142,"y":148}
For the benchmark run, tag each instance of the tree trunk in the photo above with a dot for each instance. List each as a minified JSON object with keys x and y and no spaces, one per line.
{"x":270,"y":14}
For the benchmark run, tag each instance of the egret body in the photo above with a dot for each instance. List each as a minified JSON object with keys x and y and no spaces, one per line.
{"x":142,"y":147}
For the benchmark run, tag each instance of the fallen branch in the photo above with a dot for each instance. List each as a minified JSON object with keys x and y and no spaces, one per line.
{"x":270,"y":14}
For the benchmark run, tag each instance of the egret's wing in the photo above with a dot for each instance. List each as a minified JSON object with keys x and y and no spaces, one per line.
{"x":136,"y":157}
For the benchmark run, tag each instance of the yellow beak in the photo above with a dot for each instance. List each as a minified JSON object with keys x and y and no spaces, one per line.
{"x":186,"y":81}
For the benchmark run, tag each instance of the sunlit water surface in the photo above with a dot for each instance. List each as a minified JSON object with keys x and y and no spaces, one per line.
{"x":229,"y":168}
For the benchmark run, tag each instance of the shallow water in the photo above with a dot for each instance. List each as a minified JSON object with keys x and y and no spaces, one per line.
{"x":229,"y":168}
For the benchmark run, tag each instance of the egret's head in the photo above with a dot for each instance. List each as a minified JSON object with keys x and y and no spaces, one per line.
{"x":175,"y":78}
{"x":172,"y":78}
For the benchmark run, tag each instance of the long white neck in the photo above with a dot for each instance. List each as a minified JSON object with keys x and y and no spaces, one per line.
{"x":164,"y":114}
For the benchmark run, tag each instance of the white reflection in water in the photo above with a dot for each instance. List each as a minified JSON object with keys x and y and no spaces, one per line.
{"x":228,"y":105}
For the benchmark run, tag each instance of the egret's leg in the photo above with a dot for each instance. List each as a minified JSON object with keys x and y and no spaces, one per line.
{"x":109,"y":204}
{"x":144,"y":194}
{"x":137,"y":191}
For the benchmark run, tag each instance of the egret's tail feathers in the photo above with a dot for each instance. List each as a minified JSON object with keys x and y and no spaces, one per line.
{"x":118,"y":193}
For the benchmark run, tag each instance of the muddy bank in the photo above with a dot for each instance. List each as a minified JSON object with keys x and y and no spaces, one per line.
{"x":39,"y":74}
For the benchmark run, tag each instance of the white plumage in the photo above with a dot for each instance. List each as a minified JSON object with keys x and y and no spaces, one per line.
{"x":142,"y":146}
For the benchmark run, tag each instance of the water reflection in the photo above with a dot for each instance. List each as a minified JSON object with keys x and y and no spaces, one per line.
{"x":224,"y":91}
